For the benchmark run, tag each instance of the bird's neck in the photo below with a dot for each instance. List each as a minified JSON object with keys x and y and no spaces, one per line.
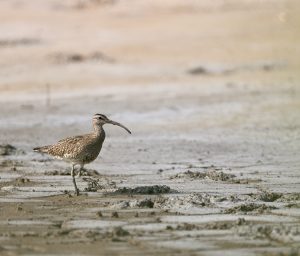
{"x":98,"y":130}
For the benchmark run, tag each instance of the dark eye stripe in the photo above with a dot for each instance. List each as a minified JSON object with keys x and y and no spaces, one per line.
{"x":100,"y":116}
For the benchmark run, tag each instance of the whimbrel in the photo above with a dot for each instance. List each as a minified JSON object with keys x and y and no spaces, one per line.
{"x":82,"y":149}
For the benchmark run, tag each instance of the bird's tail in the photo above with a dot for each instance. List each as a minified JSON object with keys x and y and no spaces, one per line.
{"x":43,"y":149}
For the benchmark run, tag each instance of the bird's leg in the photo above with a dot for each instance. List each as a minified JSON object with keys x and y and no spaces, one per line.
{"x":74,"y":182}
{"x":79,"y":171}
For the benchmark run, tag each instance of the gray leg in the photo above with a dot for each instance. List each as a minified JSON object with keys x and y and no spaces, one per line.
{"x":79,"y":171}
{"x":74,"y":182}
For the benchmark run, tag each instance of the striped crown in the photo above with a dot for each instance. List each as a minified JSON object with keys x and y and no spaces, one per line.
{"x":100,"y":116}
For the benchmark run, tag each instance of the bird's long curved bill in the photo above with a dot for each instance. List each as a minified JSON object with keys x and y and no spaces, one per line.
{"x":121,"y":125}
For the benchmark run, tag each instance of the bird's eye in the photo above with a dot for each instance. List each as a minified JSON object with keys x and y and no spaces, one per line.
{"x":100,"y":118}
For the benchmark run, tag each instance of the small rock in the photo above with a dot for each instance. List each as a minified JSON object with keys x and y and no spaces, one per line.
{"x":146,"y":203}
{"x":159,"y":171}
{"x":119,"y":231}
{"x":241,"y":221}
{"x":169,"y":228}
{"x":198,"y":71}
{"x":115,"y":215}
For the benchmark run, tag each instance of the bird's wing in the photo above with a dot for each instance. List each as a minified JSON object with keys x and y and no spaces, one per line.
{"x":71,"y":140}
{"x":68,"y":147}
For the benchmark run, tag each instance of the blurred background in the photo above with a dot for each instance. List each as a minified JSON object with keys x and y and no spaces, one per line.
{"x":81,"y":46}
{"x":195,"y":70}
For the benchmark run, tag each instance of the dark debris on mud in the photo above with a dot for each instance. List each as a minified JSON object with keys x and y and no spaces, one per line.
{"x":79,"y":57}
{"x":89,"y":173}
{"x":251,"y":207}
{"x":280,"y":233}
{"x":210,"y":174}
{"x":56,"y":172}
{"x":213,"y":174}
{"x":68,"y":172}
{"x":125,"y":204}
{"x":266,"y":196}
{"x":293,"y":205}
{"x":159,"y":201}
{"x":145,"y":203}
{"x":219,"y":70}
{"x":145,"y":190}
{"x":22,"y":180}
{"x":291,"y":197}
{"x":219,"y":225}
{"x":12,"y":164}
{"x":95,"y":185}
{"x":7,"y":149}
{"x":19,"y":41}
{"x":185,"y":201}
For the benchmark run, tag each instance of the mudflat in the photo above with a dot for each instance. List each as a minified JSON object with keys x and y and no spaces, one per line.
{"x":210,"y":91}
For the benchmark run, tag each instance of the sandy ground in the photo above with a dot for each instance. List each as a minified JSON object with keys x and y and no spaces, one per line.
{"x":211,"y":93}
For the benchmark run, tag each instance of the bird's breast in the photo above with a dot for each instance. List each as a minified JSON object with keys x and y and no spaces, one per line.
{"x":91,"y":151}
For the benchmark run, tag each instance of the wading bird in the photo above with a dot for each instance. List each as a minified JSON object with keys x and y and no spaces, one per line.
{"x":82,"y":149}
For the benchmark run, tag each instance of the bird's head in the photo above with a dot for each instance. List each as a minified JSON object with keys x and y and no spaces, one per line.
{"x":100,"y":119}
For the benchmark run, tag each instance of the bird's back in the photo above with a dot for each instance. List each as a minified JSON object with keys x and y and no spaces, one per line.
{"x":80,"y":149}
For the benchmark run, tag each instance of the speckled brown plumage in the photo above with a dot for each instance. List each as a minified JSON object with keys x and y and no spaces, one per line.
{"x":82,"y":149}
